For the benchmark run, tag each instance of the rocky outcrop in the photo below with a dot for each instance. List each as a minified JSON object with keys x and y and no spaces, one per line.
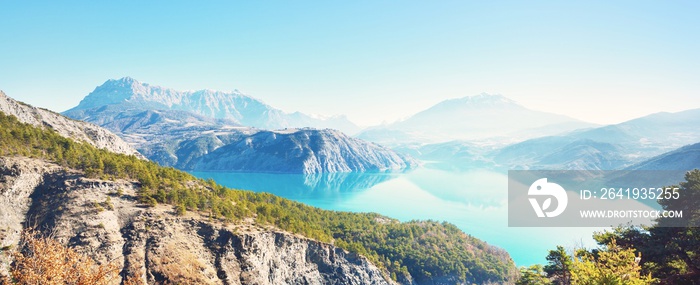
{"x":18,"y":179}
{"x":303,"y":151}
{"x":103,"y":220}
{"x":76,"y":130}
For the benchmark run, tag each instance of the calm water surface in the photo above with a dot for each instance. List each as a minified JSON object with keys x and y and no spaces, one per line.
{"x":474,"y":200}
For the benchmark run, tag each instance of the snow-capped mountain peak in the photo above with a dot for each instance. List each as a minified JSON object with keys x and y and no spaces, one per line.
{"x":234,"y":105}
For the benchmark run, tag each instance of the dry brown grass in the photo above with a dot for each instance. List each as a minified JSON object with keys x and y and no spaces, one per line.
{"x":179,"y":266}
{"x":43,"y":260}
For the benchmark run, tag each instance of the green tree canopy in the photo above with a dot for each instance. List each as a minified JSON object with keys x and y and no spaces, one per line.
{"x":612,"y":265}
{"x":533,"y":275}
{"x":559,"y":267}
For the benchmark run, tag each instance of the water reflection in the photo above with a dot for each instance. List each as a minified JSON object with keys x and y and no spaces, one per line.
{"x":480,"y":188}
{"x":297,"y":186}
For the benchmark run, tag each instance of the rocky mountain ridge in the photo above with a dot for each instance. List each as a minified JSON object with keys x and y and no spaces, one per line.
{"x":76,"y":130}
{"x":303,"y":151}
{"x":235,"y":106}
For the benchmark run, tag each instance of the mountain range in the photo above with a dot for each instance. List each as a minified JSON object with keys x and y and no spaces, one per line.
{"x":665,"y":169}
{"x":214,"y":131}
{"x":235,"y":106}
{"x":616,"y":146}
{"x":561,"y":152}
{"x":473,"y":118}
{"x":609,"y":147}
{"x":211,"y":130}
{"x":683,"y":158}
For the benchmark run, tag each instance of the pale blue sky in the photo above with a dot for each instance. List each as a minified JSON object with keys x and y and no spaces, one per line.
{"x":600,"y":61}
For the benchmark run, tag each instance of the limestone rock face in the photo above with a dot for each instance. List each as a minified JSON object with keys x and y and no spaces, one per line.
{"x":303,"y":151}
{"x":103,"y":220}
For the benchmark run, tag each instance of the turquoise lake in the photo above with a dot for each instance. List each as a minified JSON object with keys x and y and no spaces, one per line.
{"x":474,"y":200}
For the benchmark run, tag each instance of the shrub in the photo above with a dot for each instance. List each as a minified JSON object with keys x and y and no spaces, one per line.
{"x":43,"y":260}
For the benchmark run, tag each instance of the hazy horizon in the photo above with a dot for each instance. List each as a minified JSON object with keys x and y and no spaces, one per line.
{"x":359,"y":124}
{"x":374,"y":62}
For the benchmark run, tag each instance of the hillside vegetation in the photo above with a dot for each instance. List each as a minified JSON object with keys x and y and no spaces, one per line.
{"x":423,"y":250}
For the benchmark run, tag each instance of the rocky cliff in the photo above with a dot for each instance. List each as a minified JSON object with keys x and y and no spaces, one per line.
{"x":76,"y":130}
{"x":303,"y":151}
{"x":103,"y":220}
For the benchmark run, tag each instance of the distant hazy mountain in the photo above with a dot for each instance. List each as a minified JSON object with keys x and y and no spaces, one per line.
{"x":684,"y":158}
{"x":560,"y":153}
{"x":79,"y":131}
{"x":530,"y":152}
{"x":454,"y":150}
{"x":234,"y":106}
{"x":662,"y":170}
{"x":609,"y":147}
{"x":650,"y":135}
{"x":450,"y":156}
{"x":476,"y":117}
{"x":584,"y":154}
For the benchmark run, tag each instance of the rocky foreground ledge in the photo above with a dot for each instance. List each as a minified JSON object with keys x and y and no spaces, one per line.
{"x":103,"y":220}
